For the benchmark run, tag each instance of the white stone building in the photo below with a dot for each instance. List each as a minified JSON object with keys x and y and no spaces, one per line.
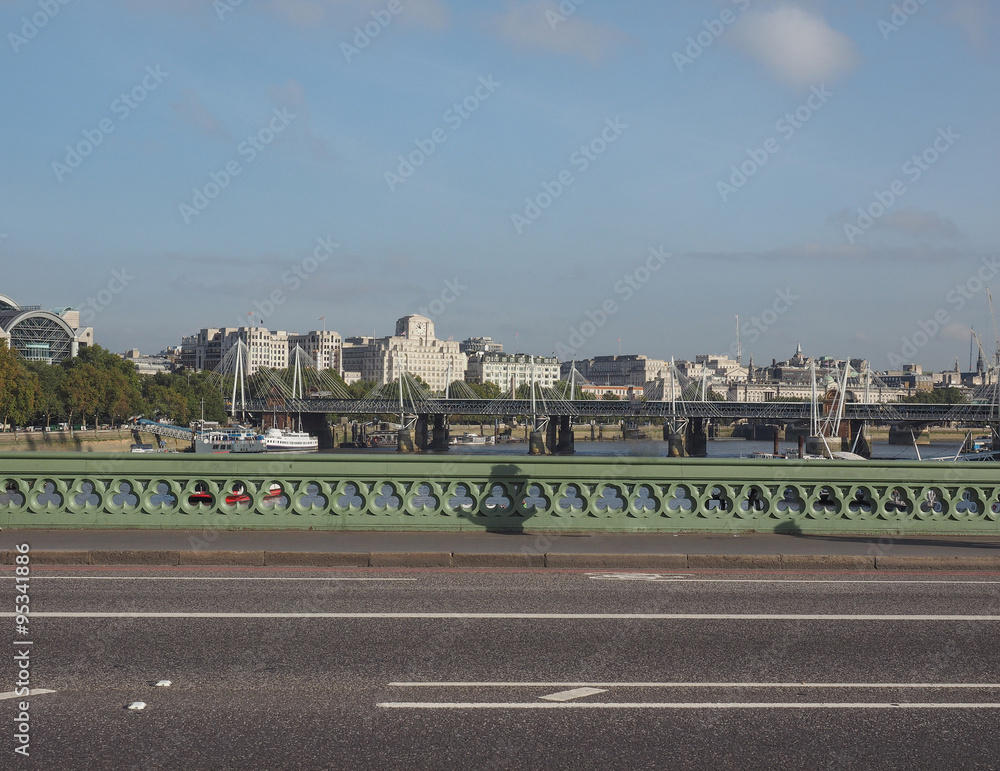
{"x":413,"y":349}
{"x":512,"y":369}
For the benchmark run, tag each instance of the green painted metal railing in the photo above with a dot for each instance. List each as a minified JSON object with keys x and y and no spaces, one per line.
{"x":569,"y":494}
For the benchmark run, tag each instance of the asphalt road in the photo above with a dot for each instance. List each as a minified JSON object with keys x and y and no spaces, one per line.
{"x":478,"y":669}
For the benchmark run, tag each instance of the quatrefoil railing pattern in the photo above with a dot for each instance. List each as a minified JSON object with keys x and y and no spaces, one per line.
{"x":568,"y":494}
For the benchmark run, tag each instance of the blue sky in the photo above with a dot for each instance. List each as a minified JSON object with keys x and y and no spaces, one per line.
{"x":572,"y":173}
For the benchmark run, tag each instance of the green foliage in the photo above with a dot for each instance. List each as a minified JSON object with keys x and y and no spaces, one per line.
{"x":19,"y":388}
{"x":937,"y":396}
{"x":487,"y":390}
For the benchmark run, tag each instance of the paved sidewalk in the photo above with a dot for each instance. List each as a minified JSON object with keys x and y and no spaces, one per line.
{"x":664,"y":551}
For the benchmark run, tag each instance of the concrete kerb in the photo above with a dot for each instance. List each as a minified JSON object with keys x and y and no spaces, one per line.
{"x":902,"y":562}
{"x":135,"y":557}
{"x":565,"y":561}
{"x":317,"y":559}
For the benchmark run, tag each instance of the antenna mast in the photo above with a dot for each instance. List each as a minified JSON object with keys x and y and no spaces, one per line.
{"x":739,"y":349}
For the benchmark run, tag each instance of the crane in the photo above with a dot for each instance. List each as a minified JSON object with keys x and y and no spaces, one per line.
{"x":996,"y":334}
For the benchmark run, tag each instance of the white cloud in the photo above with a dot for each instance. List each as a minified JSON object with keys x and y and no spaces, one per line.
{"x":974,"y":17}
{"x":540,"y":25}
{"x":822,"y":253}
{"x":797,"y":46}
{"x":191,"y":109}
{"x":293,"y":95}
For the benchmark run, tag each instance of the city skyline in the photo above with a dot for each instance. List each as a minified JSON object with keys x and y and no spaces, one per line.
{"x":579,"y":175}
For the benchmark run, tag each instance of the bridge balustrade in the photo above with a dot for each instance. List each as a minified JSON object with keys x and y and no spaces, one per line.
{"x":503,"y":493}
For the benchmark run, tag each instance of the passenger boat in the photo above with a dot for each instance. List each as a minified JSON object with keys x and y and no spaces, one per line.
{"x":229,"y":440}
{"x":470,"y":438}
{"x":276,"y":440}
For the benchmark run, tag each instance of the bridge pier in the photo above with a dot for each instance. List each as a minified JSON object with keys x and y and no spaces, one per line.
{"x":439,"y":434}
{"x":905,"y":434}
{"x":859,"y":439}
{"x":673,"y":435}
{"x":420,"y":437}
{"x":695,"y":438}
{"x":567,"y":442}
{"x":404,"y":441}
{"x":551,"y":436}
{"x":815,"y":445}
{"x":316,"y":424}
{"x":536,"y":443}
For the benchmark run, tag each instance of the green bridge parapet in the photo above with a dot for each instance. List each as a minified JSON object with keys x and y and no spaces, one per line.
{"x":502,"y":493}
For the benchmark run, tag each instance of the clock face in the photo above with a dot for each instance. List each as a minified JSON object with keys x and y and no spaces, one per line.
{"x":419,"y":328}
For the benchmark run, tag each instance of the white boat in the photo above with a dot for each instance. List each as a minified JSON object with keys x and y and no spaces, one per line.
{"x":228,"y":440}
{"x":470,"y":438}
{"x":276,"y":440}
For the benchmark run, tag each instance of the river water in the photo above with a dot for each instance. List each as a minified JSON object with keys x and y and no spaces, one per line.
{"x":716,"y":449}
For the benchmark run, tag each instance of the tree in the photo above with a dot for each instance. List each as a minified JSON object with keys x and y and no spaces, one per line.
{"x":121,"y":396}
{"x":49,"y":403}
{"x":81,"y":389}
{"x":18,"y":387}
{"x":948,"y":395}
{"x":487,"y":390}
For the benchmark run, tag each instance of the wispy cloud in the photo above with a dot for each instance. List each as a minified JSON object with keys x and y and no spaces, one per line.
{"x":798,"y":47}
{"x":191,"y":109}
{"x":974,"y":17}
{"x":293,"y":95}
{"x":920,"y":223}
{"x":820,"y":252}
{"x":540,"y":25}
{"x":909,"y":220}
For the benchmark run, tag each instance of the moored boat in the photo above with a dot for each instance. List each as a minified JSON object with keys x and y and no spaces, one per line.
{"x":228,"y":440}
{"x":277,"y":440}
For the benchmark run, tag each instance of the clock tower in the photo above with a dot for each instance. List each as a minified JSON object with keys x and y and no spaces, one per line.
{"x":415,"y":327}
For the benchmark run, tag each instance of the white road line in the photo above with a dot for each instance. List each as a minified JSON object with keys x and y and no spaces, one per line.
{"x":576,"y":693}
{"x":528,"y":616}
{"x":570,"y":684}
{"x":32,"y":692}
{"x":686,"y":705}
{"x":203,"y":578}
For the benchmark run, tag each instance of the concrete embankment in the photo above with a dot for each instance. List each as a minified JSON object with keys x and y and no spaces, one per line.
{"x":111,"y":440}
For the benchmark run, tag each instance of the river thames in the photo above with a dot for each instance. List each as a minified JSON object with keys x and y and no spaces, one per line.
{"x":656,"y":448}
